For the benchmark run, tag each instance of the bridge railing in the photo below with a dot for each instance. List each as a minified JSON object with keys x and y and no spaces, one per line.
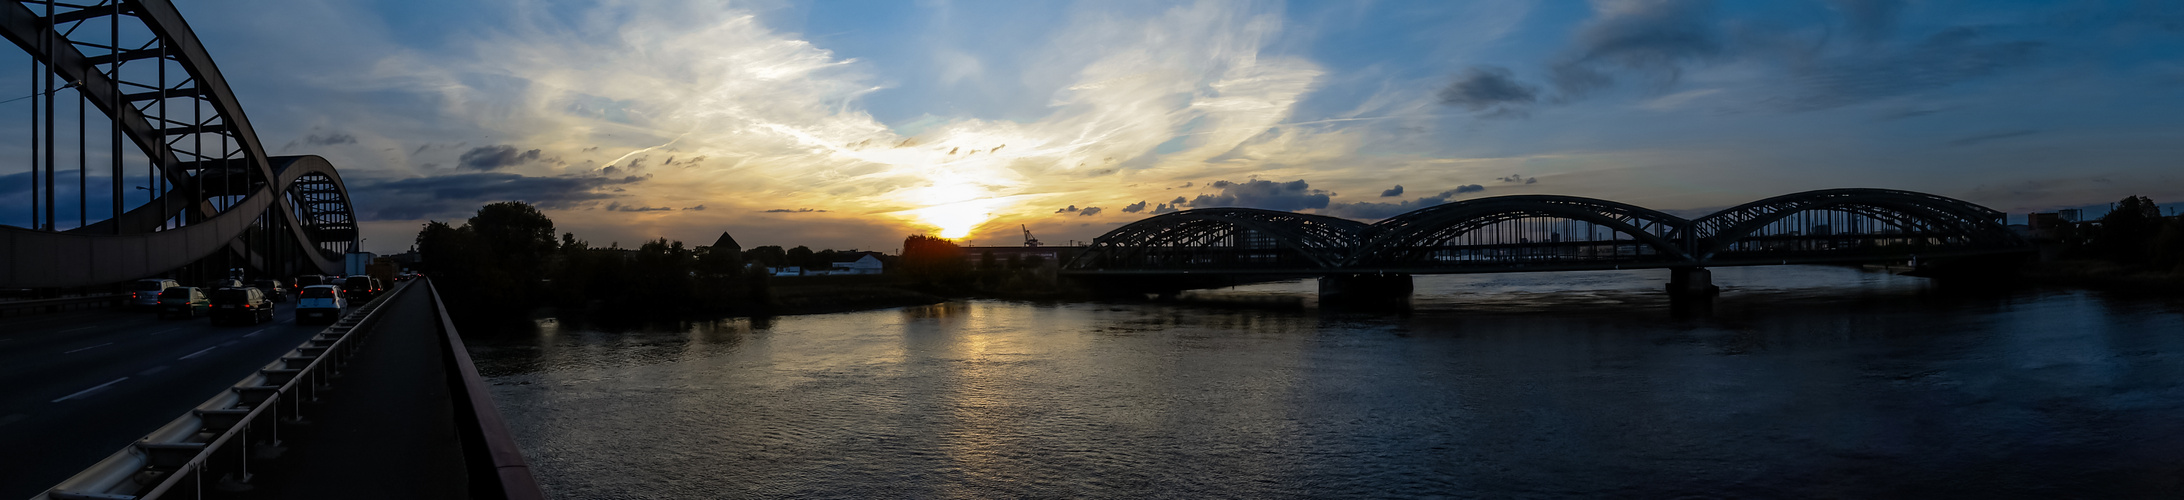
{"x":500,"y":471}
{"x":216,"y":441}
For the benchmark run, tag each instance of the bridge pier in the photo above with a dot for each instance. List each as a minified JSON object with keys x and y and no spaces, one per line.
{"x":1365,"y":289}
{"x":1691,"y":291}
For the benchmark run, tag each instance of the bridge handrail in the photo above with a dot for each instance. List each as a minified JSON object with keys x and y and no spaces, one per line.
{"x":16,"y":305}
{"x":500,"y":472}
{"x":164,"y":448}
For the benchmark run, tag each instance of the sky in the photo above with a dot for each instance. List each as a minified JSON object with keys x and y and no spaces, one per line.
{"x":851,"y":124}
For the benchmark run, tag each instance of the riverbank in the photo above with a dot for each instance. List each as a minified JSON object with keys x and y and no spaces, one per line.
{"x":833,"y":294}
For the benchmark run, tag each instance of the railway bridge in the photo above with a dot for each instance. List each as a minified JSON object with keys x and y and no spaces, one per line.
{"x":1216,"y":247}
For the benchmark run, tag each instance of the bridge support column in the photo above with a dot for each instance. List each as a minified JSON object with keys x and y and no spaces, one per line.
{"x":1365,"y":289}
{"x":1691,"y":290}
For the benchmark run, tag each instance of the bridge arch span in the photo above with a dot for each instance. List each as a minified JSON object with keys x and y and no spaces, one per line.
{"x":213,"y":189}
{"x":1851,"y":222}
{"x":1523,"y":228}
{"x":1229,"y":238}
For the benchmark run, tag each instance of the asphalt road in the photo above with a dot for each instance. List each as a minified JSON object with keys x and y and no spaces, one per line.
{"x":80,"y":385}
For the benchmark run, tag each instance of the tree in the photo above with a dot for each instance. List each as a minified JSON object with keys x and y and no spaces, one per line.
{"x":2127,"y":233}
{"x":769,"y":256}
{"x":933,"y":260}
{"x":800,"y":257}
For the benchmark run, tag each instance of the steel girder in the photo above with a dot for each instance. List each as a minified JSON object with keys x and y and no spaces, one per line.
{"x":1919,"y":214}
{"x":212,"y":152}
{"x":1405,"y":239}
{"x":1317,"y":241}
{"x":1406,"y":242}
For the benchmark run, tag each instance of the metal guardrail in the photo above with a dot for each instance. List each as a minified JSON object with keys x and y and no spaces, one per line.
{"x":215,"y":440}
{"x":11,"y":308}
{"x":500,"y":471}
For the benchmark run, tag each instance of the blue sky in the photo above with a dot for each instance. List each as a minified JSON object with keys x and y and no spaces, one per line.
{"x":851,"y":124}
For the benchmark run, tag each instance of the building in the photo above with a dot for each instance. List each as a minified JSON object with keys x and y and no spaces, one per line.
{"x":727,"y":242}
{"x":866,"y":264}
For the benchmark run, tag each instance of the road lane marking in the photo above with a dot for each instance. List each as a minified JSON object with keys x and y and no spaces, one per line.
{"x":225,"y":344}
{"x":149,"y":371}
{"x":260,"y":330}
{"x":196,"y":354}
{"x":165,"y":331}
{"x":88,"y":391}
{"x":89,"y":348}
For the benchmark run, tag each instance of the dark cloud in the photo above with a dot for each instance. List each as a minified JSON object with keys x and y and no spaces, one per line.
{"x":619,"y":207}
{"x":1165,"y":208}
{"x":792,"y":211}
{"x":495,"y":157}
{"x":1654,"y":38}
{"x":1490,"y":91}
{"x":1518,"y":179}
{"x":699,"y":208}
{"x":1374,"y":210}
{"x":1089,"y":211}
{"x":1996,"y":136}
{"x":1134,"y":208}
{"x":1946,"y":58}
{"x":1270,"y":195}
{"x":1072,"y":209}
{"x":1392,"y":192}
{"x":329,"y":139}
{"x":457,"y":194}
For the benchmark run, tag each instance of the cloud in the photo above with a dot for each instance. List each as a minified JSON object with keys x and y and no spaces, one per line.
{"x":1996,"y":136}
{"x":699,"y":208}
{"x":1869,"y":19}
{"x":1165,"y":208}
{"x":1270,"y":195}
{"x":1652,"y":37}
{"x":1490,"y":91}
{"x":1070,"y":210}
{"x":1377,"y":210}
{"x":1134,"y":208}
{"x":1519,"y":179}
{"x":619,"y":207}
{"x":1392,"y":192}
{"x":1089,"y":211}
{"x":448,"y":195}
{"x":793,"y":211}
{"x":495,"y":157}
{"x":1945,"y":58}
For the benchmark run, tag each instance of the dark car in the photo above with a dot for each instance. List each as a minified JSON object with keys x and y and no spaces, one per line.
{"x":242,"y":304}
{"x":359,"y":288}
{"x":183,"y":302}
{"x":272,"y":289}
{"x":305,"y":281}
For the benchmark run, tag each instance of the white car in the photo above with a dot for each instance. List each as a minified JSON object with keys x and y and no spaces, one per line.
{"x":318,"y":303}
{"x":144,"y":294}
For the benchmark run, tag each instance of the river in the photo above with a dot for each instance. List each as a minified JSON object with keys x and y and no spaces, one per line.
{"x":1805,"y":381}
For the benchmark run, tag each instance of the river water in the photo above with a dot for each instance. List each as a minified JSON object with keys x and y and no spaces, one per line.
{"x":1804,"y":382}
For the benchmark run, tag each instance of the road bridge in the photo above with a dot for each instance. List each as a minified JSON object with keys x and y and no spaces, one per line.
{"x":1217,"y":247}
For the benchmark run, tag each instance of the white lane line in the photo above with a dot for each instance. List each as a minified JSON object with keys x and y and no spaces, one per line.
{"x":88,"y":391}
{"x":88,"y":348}
{"x":149,"y":371}
{"x":198,"y":353}
{"x":165,"y":331}
{"x":260,"y":330}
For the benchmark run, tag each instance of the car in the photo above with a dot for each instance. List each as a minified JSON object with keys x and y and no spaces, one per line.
{"x":144,"y":293}
{"x":304,"y":281}
{"x":224,"y":283}
{"x":241,"y":304}
{"x":360,"y":287}
{"x":320,"y":303}
{"x":272,"y":288}
{"x":183,"y":302}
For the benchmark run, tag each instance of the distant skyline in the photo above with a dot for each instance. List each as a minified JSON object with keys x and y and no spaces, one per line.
{"x":853,"y":124}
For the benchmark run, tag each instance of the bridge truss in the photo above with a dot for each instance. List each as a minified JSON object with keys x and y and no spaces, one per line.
{"x":204,"y":187}
{"x":1553,"y":233}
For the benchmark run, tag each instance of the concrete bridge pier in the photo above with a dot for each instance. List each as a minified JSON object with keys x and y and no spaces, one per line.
{"x":1365,"y":289}
{"x":1691,"y":290}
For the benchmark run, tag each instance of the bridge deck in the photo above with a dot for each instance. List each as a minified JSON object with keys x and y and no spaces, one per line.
{"x":86,"y":383}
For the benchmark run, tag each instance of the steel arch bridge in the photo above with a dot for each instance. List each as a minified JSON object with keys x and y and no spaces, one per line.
{"x":1550,"y":233}
{"x":210,"y":191}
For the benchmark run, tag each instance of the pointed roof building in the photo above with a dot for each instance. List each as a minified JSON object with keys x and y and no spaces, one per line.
{"x":727,"y":241}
